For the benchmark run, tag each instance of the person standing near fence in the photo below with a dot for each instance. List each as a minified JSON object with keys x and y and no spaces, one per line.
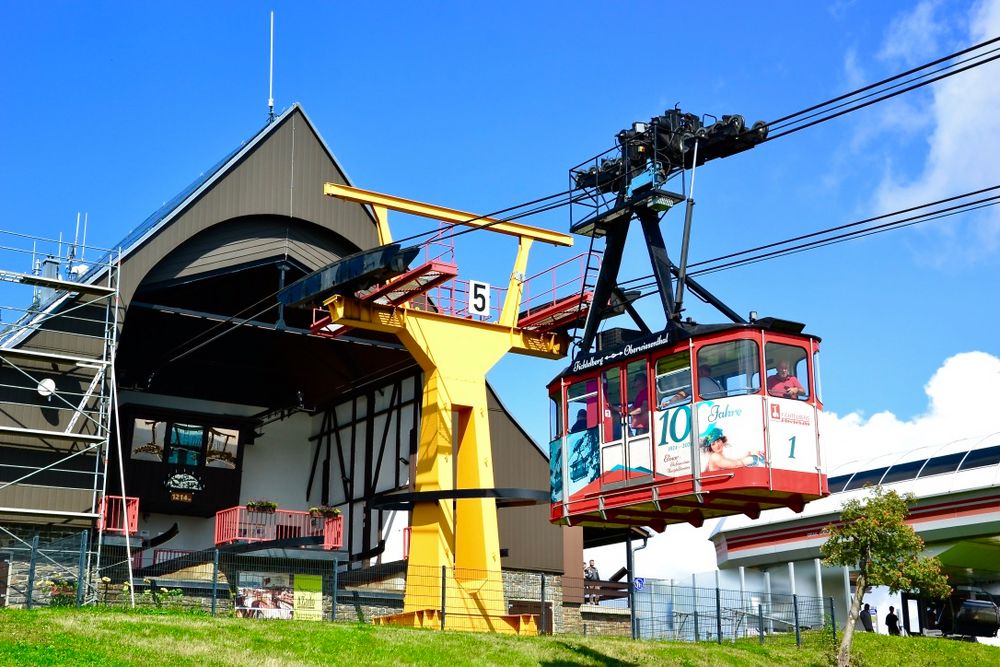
{"x":590,"y":573}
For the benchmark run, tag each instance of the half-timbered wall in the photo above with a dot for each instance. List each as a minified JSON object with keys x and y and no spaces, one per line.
{"x":363,"y":447}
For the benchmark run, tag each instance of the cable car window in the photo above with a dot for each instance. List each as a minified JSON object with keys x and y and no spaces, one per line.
{"x":582,"y":399}
{"x":638,"y":398}
{"x":673,"y":380}
{"x":866,"y":478}
{"x":555,"y":416}
{"x":979,"y":458}
{"x":903,"y":471}
{"x":819,"y":384}
{"x":728,"y":369}
{"x":787,"y":371}
{"x":942,"y":464}
{"x":611,"y":386}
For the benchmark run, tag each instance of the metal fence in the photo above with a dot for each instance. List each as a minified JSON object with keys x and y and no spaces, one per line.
{"x":260,"y":584}
{"x":263,"y":584}
{"x":664,"y":610}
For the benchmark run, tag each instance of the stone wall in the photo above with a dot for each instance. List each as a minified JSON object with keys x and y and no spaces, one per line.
{"x":527,"y":587}
{"x":587,"y":619}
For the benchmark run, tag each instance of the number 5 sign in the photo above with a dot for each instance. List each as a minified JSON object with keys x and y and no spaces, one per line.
{"x":479,"y":298}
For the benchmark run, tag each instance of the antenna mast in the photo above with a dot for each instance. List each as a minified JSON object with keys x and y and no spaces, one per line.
{"x":270,"y":77}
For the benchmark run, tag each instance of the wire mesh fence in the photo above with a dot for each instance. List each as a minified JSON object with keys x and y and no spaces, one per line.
{"x":667,"y":611}
{"x":316,"y":586}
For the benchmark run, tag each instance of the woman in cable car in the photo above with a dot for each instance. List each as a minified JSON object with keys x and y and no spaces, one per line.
{"x":653,"y":439}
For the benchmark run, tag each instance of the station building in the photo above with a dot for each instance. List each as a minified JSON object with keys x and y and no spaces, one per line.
{"x":956,"y":513}
{"x":174,"y":342}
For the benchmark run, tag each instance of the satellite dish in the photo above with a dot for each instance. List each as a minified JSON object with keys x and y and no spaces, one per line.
{"x":47,"y":387}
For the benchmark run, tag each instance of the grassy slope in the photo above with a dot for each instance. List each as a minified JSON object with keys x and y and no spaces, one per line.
{"x":58,"y":637}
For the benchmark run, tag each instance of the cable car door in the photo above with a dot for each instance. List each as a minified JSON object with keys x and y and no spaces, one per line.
{"x":626,"y":447}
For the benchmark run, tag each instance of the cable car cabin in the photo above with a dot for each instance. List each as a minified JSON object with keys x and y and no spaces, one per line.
{"x":653,"y":432}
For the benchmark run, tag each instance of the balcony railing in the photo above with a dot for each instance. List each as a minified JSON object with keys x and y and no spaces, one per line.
{"x":114,"y":511}
{"x":145,"y":558}
{"x":238,"y":524}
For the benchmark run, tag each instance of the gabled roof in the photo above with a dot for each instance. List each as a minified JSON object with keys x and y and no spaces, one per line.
{"x":164,"y":216}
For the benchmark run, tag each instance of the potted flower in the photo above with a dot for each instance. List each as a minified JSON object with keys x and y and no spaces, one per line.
{"x":62,"y":591}
{"x":324,"y":511}
{"x":262,"y":505}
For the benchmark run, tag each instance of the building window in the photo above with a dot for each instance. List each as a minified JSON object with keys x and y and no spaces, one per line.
{"x":148,"y":436}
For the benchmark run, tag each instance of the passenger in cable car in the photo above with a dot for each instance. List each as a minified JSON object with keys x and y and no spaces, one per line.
{"x":784,"y":384}
{"x":639,"y":407}
{"x":678,"y":397}
{"x":714,"y":441}
{"x":708,"y":386}
{"x":581,"y":421}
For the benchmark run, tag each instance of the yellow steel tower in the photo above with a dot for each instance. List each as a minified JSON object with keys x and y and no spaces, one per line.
{"x":452,"y":531}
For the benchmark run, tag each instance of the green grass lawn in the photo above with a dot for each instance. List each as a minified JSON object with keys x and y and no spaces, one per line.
{"x":98,"y":636}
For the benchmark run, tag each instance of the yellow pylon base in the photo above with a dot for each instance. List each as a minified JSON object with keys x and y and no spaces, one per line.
{"x":430,"y":619}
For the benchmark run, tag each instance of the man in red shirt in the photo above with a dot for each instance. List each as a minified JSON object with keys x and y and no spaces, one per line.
{"x":639,"y":408}
{"x":784,"y":384}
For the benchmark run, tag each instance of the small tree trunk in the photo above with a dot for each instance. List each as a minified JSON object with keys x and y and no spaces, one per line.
{"x":844,"y":653}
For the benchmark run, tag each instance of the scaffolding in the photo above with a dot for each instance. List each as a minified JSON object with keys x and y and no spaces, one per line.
{"x":56,"y":385}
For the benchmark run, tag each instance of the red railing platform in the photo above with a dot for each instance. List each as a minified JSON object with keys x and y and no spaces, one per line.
{"x":115,"y":512}
{"x":240,"y":525}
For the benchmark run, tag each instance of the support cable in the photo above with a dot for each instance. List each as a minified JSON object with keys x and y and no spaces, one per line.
{"x":890,"y":79}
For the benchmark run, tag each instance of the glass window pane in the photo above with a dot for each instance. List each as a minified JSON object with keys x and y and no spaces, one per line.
{"x":979,"y":458}
{"x":582,"y":404}
{"x":942,"y":464}
{"x":673,"y":380}
{"x":555,"y":416}
{"x":837,"y":483}
{"x":222,"y":448}
{"x":787,"y":371}
{"x":728,"y":369}
{"x":865,"y":477}
{"x":637,"y":397}
{"x":185,"y":444}
{"x":612,"y":390}
{"x":819,"y":383}
{"x":147,"y":440}
{"x":903,"y":471}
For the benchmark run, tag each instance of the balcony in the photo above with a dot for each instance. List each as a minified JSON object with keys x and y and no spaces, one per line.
{"x":240,"y":525}
{"x":117,"y":512}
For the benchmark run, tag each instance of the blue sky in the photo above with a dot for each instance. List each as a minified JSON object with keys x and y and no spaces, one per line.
{"x":112,"y":107}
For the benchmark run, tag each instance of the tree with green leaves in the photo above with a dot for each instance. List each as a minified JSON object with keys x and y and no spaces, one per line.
{"x":873,"y":538}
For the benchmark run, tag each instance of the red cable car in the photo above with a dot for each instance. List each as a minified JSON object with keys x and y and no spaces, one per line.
{"x":722,"y":422}
{"x":694,"y":422}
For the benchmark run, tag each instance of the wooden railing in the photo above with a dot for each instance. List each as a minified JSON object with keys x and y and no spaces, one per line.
{"x":238,"y":524}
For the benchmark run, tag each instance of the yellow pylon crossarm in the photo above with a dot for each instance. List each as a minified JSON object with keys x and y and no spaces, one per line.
{"x":351,"y":312}
{"x":453,"y":216}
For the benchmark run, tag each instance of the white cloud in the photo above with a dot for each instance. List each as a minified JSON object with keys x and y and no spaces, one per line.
{"x":914,"y":37}
{"x":854,"y":74}
{"x":961,"y":403}
{"x":962,"y":143}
